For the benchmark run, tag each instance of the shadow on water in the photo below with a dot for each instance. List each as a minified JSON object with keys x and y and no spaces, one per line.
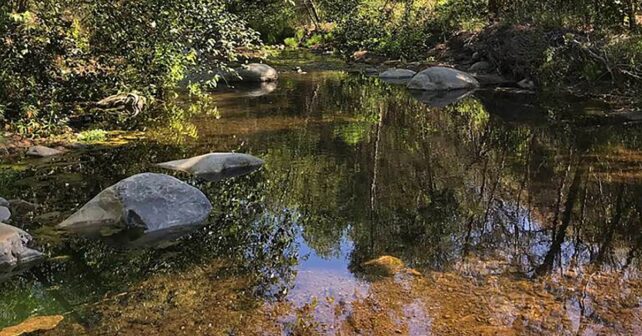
{"x":517,"y":226}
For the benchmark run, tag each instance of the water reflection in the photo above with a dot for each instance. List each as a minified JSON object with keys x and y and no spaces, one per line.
{"x":518,"y":226}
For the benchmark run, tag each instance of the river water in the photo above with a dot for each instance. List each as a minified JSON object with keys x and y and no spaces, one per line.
{"x":492,"y":213}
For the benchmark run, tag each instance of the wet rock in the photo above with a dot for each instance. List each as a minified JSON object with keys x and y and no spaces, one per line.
{"x":4,"y":202}
{"x":526,"y":84}
{"x":42,"y":151}
{"x":481,"y":66}
{"x":442,"y":79}
{"x":253,"y":72}
{"x":33,"y":324}
{"x":216,"y":166}
{"x":5,"y":214}
{"x":14,"y":250}
{"x":146,"y":202}
{"x":395,"y":73}
{"x":387,"y":266}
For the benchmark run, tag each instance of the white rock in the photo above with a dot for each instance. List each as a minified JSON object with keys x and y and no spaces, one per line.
{"x":216,"y":166}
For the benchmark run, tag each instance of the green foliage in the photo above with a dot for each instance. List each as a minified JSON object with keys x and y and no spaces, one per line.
{"x":56,"y":54}
{"x":95,"y":135}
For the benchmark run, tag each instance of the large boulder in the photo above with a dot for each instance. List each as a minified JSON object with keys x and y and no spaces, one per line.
{"x":145,"y":202}
{"x":14,"y":250}
{"x":442,"y":79}
{"x":252,"y":73}
{"x":216,"y":166}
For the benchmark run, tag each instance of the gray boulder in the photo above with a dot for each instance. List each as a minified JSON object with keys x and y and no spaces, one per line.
{"x":145,"y":202}
{"x":395,"y":73}
{"x":5,"y":214}
{"x":4,"y":202}
{"x":42,"y":151}
{"x":14,"y":250}
{"x":216,"y":166}
{"x":481,"y":66}
{"x":253,"y":72}
{"x":442,"y":79}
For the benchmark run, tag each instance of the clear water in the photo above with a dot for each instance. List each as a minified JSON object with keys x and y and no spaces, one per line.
{"x":521,"y":212}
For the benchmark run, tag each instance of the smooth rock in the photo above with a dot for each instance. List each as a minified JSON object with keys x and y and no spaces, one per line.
{"x":42,"y":151}
{"x":442,"y":79}
{"x":5,"y":214}
{"x":4,"y":202}
{"x":33,"y":324}
{"x":216,"y":166}
{"x":253,"y":72}
{"x":526,"y":84}
{"x":145,"y":202}
{"x":481,"y":66}
{"x":14,"y":250}
{"x":395,"y":73}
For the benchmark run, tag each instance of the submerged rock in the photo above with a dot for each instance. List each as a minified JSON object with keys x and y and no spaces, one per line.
{"x":147,"y":202}
{"x":253,"y":72}
{"x":14,"y":250}
{"x":216,"y":166}
{"x":42,"y":151}
{"x":442,"y":79}
{"x":387,"y":266}
{"x":33,"y":324}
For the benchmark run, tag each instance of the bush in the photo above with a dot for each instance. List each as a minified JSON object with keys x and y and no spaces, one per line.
{"x":57,"y":55}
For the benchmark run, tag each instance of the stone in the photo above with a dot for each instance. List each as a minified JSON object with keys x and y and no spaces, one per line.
{"x":526,"y":84}
{"x":131,"y":102}
{"x":5,"y":214}
{"x":145,"y":202}
{"x":384,"y":266}
{"x":252,"y":73}
{"x":42,"y":151}
{"x":395,"y":73}
{"x":216,"y":166}
{"x":32,"y":325}
{"x":14,"y":250}
{"x":442,"y":79}
{"x":4,"y":202}
{"x":481,"y":66}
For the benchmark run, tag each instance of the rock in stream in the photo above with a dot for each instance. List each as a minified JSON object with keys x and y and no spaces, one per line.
{"x":14,"y":250}
{"x":145,"y":202}
{"x":216,"y":166}
{"x":442,"y":79}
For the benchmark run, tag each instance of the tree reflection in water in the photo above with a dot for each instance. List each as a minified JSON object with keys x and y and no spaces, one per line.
{"x":477,"y":198}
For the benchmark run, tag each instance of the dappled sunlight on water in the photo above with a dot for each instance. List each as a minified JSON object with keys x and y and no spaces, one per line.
{"x":508,"y":218}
